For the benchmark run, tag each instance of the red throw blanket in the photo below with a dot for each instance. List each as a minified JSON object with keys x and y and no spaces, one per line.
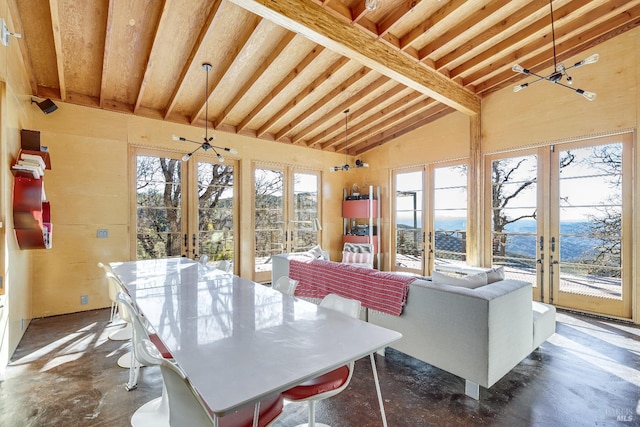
{"x":377,"y":290}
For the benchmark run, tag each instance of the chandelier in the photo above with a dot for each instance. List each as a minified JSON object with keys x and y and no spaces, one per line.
{"x":345,"y":166}
{"x":206,"y":144}
{"x":560,"y":70}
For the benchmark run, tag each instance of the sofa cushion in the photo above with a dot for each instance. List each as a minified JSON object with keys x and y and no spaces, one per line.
{"x":316,"y":252}
{"x":544,"y":322}
{"x":495,"y":274}
{"x":471,"y":281}
{"x":364,"y":258}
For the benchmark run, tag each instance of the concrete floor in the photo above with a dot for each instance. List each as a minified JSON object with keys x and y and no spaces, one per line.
{"x":64,"y":373}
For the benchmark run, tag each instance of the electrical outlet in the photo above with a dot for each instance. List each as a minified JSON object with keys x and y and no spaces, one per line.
{"x":84,"y":299}
{"x":103,"y":233}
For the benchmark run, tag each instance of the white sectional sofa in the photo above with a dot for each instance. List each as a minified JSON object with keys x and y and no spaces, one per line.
{"x":478,"y":334}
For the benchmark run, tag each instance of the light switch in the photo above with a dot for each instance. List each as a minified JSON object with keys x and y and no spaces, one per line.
{"x":103,"y":233}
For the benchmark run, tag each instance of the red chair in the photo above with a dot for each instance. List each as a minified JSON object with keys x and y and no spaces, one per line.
{"x":333,"y":382}
{"x":180,"y":404}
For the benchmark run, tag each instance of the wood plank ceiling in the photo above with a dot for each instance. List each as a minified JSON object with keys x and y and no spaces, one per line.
{"x":285,"y":70}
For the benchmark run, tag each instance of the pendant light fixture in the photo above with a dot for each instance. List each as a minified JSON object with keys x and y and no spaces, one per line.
{"x":206,"y":145}
{"x":560,"y":69}
{"x":345,"y":166}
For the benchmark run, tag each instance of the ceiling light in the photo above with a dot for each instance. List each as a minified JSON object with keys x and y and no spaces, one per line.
{"x":560,"y":70}
{"x":206,"y":144}
{"x":371,"y":5}
{"x":345,"y":166}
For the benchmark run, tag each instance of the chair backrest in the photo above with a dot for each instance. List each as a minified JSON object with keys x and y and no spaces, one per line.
{"x":106,"y":267}
{"x":285,"y":285}
{"x":115,"y":286}
{"x":185,"y":406}
{"x":144,"y":350}
{"x":224,"y":265}
{"x":358,"y":253}
{"x":350,"y":307}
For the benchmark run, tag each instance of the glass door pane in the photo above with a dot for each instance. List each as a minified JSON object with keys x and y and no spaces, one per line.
{"x":513,"y":216}
{"x":409,"y":203}
{"x":305,"y":210}
{"x":216,"y":208}
{"x":450,"y":215}
{"x":159,"y":195}
{"x":269,"y":220}
{"x":588,"y":256}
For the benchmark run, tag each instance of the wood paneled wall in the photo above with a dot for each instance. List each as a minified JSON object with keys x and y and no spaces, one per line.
{"x":541,"y":114}
{"x":90,"y":150}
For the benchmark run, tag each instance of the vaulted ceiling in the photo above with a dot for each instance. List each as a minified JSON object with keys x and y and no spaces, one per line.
{"x":286,"y":70}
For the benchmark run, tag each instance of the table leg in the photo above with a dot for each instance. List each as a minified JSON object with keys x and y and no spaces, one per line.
{"x":256,"y":414}
{"x":375,"y":378}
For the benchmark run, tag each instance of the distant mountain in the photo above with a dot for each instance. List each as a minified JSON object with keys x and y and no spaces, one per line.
{"x":573,"y":244}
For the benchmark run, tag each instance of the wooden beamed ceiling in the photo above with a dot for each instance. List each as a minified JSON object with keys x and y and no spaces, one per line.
{"x":286,"y":70}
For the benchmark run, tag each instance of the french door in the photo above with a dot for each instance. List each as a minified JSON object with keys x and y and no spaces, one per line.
{"x":286,"y":206}
{"x":561,"y":219}
{"x":184,"y":208}
{"x":430,"y":231}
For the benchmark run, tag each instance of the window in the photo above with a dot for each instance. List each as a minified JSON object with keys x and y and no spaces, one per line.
{"x":286,"y":204}
{"x":409,"y":205}
{"x":450,"y":214}
{"x":167,"y":223}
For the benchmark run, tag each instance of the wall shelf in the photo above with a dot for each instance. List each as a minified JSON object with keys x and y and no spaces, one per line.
{"x":361,"y":219}
{"x":31,"y":211}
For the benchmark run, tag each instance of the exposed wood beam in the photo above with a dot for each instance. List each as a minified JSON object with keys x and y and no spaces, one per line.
{"x":369,"y":89}
{"x":475,"y":197}
{"x":536,"y":32}
{"x":396,"y":16}
{"x":303,"y":94}
{"x":564,"y":42}
{"x":328,"y":98}
{"x":155,"y":51}
{"x":462,"y":26}
{"x":531,"y":8}
{"x":570,"y":48}
{"x":105,"y":56}
{"x":311,"y":56}
{"x":314,"y":23}
{"x":57,"y":42}
{"x":26,"y":58}
{"x":257,"y":75}
{"x":363,"y":130}
{"x":251,"y":29}
{"x":433,"y":20}
{"x":372,"y":119}
{"x":208,"y":26}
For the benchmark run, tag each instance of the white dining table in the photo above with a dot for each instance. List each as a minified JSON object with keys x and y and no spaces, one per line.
{"x":238,"y":341}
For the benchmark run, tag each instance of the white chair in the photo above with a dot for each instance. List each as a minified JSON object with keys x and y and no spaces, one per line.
{"x":285,"y":285}
{"x":126,"y":360}
{"x":115,"y":285}
{"x":113,"y":291}
{"x":180,"y":404}
{"x":333,"y":382}
{"x":204,"y":259}
{"x":224,"y":265}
